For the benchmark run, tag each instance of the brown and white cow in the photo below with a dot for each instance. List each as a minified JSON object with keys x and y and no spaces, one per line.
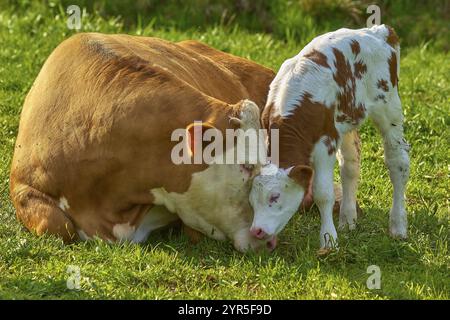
{"x":317,"y":101}
{"x":93,"y":153}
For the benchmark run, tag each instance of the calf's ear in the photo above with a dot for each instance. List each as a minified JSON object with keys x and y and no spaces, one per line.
{"x":302,"y":175}
{"x":266,"y":115}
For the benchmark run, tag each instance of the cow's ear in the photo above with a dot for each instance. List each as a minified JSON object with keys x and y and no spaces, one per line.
{"x":245,"y":115}
{"x":302,"y":175}
{"x":195,"y":132}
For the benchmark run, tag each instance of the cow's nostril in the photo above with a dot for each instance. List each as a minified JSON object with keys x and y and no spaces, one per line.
{"x":258,"y":233}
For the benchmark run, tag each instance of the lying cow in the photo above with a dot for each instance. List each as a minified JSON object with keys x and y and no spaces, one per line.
{"x":92,"y":157}
{"x":317,"y":101}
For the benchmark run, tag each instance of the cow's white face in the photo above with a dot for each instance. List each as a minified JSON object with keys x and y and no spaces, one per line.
{"x":275,"y":196}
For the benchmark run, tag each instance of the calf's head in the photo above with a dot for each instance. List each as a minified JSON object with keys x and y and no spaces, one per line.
{"x":275,"y":196}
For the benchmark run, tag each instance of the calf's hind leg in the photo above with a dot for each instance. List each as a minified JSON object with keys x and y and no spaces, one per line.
{"x":349,"y":162}
{"x":40,"y":213}
{"x":396,"y":159}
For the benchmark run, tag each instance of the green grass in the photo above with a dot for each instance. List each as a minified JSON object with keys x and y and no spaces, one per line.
{"x":168,"y":266}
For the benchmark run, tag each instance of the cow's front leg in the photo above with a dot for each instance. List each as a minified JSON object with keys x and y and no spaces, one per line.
{"x":323,"y":193}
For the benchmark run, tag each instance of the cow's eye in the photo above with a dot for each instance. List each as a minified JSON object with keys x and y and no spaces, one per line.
{"x":274,"y":197}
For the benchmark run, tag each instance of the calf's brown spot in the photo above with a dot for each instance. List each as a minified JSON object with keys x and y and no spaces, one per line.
{"x":392,"y":62}
{"x":360,"y":69}
{"x":356,"y":49}
{"x":392,"y":38}
{"x":330,"y":144}
{"x":345,"y":79}
{"x":383,"y":85}
{"x":317,"y":57}
{"x":299,"y":132}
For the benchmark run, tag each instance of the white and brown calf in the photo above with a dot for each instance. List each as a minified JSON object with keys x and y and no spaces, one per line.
{"x":317,"y":100}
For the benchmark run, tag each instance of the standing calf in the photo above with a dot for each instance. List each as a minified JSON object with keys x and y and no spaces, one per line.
{"x":317,"y":101}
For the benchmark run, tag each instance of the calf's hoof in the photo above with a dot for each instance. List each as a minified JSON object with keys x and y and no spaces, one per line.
{"x":323,"y":252}
{"x":347,"y":218}
{"x":398,"y":233}
{"x":398,"y":224}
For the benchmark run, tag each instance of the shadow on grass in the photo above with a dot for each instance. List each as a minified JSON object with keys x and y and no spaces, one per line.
{"x":408,"y":266}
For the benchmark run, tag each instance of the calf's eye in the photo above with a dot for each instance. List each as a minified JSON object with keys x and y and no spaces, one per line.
{"x":274,"y":197}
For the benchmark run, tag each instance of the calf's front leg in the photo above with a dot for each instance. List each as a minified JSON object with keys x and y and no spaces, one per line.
{"x":323,"y":193}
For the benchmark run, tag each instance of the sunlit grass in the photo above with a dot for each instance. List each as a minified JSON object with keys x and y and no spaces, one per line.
{"x":169,"y":267}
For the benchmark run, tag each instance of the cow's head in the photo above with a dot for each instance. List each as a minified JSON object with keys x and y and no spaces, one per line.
{"x":228,"y":215}
{"x":275,"y":196}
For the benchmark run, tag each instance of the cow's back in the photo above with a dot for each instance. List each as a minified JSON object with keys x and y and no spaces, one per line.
{"x":254,"y":77}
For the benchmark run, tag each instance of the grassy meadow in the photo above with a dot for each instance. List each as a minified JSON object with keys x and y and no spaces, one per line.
{"x":168,"y":266}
